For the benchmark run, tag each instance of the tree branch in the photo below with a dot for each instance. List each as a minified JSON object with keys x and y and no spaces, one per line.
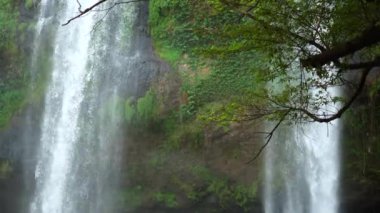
{"x":314,"y":116}
{"x":79,"y":6}
{"x":118,"y":3}
{"x":280,"y":30}
{"x":374,"y":63}
{"x":269,"y":136}
{"x":266,"y":25}
{"x":340,"y":112}
{"x":83,"y":12}
{"x":91,"y":8}
{"x":369,"y":37}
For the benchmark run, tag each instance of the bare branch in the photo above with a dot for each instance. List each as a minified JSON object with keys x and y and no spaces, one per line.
{"x":99,"y":21}
{"x":79,"y":6}
{"x":118,"y":3}
{"x":81,"y":13}
{"x":91,"y":8}
{"x":269,"y":136}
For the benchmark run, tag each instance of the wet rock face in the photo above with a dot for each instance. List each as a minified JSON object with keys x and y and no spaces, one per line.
{"x":141,"y":40}
{"x":148,"y":67}
{"x":360,"y":185}
{"x":10,"y":189}
{"x":358,"y":198}
{"x":143,"y":74}
{"x":18,"y":147}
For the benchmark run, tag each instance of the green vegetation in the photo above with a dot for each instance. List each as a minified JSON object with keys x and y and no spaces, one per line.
{"x":229,"y":55}
{"x":8,"y":26}
{"x":13,"y":71}
{"x":132,"y":197}
{"x":192,"y":32}
{"x":5,"y":169}
{"x":172,"y":184}
{"x":29,"y":3}
{"x":246,"y":60}
{"x":143,"y":112}
{"x":10,"y":102}
{"x":168,"y":53}
{"x":245,"y":44}
{"x":361,"y":143}
{"x":168,"y":199}
{"x":216,"y":87}
{"x":225,"y":192}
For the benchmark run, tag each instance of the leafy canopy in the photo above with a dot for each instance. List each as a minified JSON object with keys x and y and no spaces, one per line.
{"x":294,"y":52}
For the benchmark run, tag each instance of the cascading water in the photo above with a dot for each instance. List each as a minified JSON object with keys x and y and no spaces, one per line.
{"x":302,"y":169}
{"x":80,"y":145}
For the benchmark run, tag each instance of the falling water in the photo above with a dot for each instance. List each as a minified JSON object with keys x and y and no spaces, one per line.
{"x":80,"y":142}
{"x":302,"y":169}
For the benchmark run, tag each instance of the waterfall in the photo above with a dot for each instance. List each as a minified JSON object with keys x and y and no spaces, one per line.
{"x":80,"y":145}
{"x":302,"y":169}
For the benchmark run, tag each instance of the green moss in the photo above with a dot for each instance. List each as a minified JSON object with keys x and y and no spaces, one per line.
{"x":10,"y":102}
{"x":29,"y":4}
{"x":168,"y":53}
{"x":147,"y":107}
{"x":129,"y":111}
{"x":143,"y":112}
{"x":189,"y":134}
{"x":5,"y":169}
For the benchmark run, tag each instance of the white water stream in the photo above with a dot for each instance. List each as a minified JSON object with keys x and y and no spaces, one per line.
{"x":60,"y":124}
{"x":80,"y":143}
{"x":302,"y":169}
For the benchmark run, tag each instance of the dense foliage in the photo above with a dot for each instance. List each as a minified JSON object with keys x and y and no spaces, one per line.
{"x":13,"y":57}
{"x":248,"y":59}
{"x":303,"y":46}
{"x":238,"y":60}
{"x":207,"y":78}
